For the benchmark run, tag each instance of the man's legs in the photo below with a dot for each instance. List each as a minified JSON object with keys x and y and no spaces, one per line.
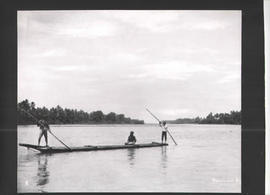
{"x":46,"y":137}
{"x":44,"y":132}
{"x":162,"y":136}
{"x":40,"y":135}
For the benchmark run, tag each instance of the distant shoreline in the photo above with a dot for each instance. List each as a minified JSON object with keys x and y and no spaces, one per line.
{"x":29,"y":114}
{"x":146,"y":124}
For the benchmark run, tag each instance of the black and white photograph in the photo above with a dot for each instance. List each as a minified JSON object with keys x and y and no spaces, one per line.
{"x":129,"y":101}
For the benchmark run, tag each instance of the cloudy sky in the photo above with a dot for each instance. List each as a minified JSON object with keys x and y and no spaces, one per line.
{"x":176,"y":63}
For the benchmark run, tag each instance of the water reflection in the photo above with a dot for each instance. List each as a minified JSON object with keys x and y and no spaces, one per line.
{"x":164,"y":158}
{"x":27,"y":157}
{"x":131,"y":155}
{"x":42,"y":171}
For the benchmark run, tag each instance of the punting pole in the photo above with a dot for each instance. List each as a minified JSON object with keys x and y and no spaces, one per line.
{"x":160,"y":122}
{"x":48,"y":130}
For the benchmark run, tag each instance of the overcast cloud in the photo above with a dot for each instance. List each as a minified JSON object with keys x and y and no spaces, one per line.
{"x":176,"y":63}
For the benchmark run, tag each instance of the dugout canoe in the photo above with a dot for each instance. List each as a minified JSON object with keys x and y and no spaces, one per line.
{"x":44,"y":149}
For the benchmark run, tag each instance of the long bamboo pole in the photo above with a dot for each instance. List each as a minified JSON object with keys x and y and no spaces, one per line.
{"x":48,"y":130}
{"x":160,"y":122}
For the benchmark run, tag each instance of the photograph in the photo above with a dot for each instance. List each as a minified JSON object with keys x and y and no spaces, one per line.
{"x":129,"y":101}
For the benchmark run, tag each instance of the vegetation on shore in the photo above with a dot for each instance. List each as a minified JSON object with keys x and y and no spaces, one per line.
{"x":59,"y":115}
{"x":234,"y":117}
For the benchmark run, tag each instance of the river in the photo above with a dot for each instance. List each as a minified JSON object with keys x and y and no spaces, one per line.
{"x":206,"y":159}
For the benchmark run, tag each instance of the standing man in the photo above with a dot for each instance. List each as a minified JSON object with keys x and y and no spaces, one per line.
{"x":44,"y":127}
{"x":164,"y":127}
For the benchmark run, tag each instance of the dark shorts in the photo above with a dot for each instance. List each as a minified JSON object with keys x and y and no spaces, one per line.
{"x":164,"y":135}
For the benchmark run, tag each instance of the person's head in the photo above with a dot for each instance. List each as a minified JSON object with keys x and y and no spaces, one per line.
{"x":131,"y":132}
{"x":40,"y":122}
{"x":164,"y":122}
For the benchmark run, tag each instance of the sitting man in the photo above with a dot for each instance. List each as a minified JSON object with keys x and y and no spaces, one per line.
{"x":131,"y":139}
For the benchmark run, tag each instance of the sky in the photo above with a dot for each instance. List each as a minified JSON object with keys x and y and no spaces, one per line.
{"x":175,"y":63}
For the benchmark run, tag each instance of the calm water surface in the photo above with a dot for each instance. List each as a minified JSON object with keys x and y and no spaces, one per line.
{"x":206,"y":159}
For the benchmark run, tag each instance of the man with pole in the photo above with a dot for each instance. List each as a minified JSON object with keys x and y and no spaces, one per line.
{"x":44,"y":127}
{"x":164,"y":127}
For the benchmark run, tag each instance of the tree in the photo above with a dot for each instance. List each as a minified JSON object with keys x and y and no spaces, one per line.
{"x":111,"y":117}
{"x":23,"y":117}
{"x":24,"y":105}
{"x":197,"y":119}
{"x":97,"y":116}
{"x":120,"y":118}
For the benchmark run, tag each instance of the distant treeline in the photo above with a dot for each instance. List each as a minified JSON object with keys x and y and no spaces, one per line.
{"x":59,"y":115}
{"x":234,"y":117}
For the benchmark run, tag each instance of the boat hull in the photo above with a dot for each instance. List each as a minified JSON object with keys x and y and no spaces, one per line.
{"x":44,"y":149}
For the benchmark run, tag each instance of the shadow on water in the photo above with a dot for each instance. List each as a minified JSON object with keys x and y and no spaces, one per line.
{"x":43,"y":173}
{"x":131,"y":152}
{"x":164,"y":158}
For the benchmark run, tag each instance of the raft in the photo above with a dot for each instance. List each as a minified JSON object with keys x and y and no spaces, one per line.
{"x":44,"y":149}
